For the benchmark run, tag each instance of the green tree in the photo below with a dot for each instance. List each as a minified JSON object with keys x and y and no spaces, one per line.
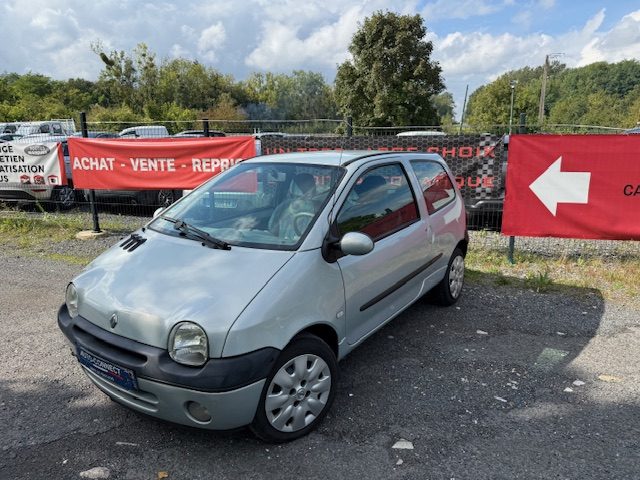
{"x":598,"y":94}
{"x":444,"y":105}
{"x":300,"y":96}
{"x":118,"y":80}
{"x":391,"y":79}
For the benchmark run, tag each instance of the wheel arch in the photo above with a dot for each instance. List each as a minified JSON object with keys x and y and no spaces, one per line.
{"x":463,"y":245}
{"x":323,"y":331}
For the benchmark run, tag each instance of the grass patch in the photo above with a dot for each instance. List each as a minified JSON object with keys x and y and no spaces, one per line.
{"x":617,"y":279}
{"x":26,"y":230}
{"x":56,"y":227}
{"x":538,"y":281}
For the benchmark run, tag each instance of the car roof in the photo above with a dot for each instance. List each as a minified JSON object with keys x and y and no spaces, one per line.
{"x":334,"y":157}
{"x":420,"y":133}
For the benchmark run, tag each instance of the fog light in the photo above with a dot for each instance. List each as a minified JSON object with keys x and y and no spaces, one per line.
{"x":198,"y":411}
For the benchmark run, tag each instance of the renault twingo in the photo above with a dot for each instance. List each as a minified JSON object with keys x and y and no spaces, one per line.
{"x":233,"y":306}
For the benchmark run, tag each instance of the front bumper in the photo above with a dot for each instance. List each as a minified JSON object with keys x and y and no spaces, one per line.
{"x":17,"y":193}
{"x":229,"y":388}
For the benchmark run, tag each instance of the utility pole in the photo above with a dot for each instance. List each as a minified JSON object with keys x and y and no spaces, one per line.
{"x":543,"y":90}
{"x":464,"y":107}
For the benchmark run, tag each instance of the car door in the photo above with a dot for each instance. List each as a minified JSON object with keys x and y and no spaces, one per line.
{"x":382,"y":204}
{"x":443,"y":206}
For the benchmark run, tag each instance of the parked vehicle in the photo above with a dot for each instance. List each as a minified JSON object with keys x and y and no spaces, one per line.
{"x":420,"y":133}
{"x":10,"y":127}
{"x":200,"y":133}
{"x":8,"y":137}
{"x":234,"y":305}
{"x":39,"y":129}
{"x":145,"y":131}
{"x":97,"y":134}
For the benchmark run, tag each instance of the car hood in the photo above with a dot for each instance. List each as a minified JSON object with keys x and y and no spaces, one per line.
{"x":169,"y":279}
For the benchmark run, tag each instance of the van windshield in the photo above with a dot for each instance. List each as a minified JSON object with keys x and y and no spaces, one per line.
{"x":260,"y":205}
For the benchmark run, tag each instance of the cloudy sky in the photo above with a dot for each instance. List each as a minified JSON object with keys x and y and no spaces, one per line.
{"x":475,"y":40}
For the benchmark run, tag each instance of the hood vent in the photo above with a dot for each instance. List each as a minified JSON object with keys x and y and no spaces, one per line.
{"x":133,"y":242}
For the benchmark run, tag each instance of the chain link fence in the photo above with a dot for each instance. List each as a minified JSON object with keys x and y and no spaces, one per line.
{"x":484,"y":217}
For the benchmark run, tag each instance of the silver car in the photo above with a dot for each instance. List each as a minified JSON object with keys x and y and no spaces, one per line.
{"x":233,"y":306}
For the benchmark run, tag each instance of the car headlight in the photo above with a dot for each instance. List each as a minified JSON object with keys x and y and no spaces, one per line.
{"x":71,"y":299}
{"x":188,"y":344}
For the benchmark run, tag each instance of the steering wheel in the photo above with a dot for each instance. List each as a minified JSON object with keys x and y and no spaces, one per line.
{"x":301,"y":222}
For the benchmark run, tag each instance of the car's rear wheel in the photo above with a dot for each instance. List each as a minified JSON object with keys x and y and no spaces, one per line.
{"x":165,"y":198}
{"x":298,"y":392}
{"x":448,"y":291}
{"x":64,"y":197}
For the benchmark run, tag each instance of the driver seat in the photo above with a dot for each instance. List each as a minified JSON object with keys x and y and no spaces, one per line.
{"x":298,"y":204}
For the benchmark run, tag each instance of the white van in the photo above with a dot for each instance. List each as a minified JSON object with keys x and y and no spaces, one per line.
{"x":145,"y":131}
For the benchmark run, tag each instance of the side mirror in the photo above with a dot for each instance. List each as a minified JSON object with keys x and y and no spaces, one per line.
{"x":355,"y":243}
{"x":158,"y":212}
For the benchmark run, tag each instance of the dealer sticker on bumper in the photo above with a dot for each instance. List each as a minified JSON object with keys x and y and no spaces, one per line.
{"x":109,"y":371}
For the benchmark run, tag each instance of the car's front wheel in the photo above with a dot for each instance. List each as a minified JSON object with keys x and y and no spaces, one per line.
{"x":298,"y":392}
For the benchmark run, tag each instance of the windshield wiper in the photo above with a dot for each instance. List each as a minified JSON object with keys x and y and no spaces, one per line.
{"x":187,"y":229}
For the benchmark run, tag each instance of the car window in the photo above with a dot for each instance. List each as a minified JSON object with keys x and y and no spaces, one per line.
{"x":45,"y":128}
{"x":436,"y":185}
{"x":262,"y":205}
{"x":57,"y":128}
{"x":380,"y":203}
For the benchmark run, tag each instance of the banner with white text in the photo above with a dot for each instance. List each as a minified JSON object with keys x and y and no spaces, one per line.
{"x":573,"y":186}
{"x":31,"y":164}
{"x":158,"y":163}
{"x":477,"y":161}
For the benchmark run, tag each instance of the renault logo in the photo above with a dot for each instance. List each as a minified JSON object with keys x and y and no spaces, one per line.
{"x":114,"y":320}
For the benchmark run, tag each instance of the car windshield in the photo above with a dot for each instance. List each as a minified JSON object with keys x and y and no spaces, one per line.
{"x":259,"y":205}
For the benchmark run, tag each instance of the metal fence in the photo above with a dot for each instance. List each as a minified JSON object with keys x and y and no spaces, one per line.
{"x":484,"y":223}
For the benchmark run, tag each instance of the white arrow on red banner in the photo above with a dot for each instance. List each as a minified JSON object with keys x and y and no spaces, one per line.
{"x":555,"y":186}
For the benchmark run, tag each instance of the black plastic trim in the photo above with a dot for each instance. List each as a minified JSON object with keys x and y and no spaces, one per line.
{"x":152,"y":363}
{"x":399,"y":284}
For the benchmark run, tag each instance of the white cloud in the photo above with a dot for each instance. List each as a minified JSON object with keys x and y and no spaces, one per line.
{"x":619,"y":43}
{"x":461,"y":9}
{"x":282,"y":47}
{"x":211,"y":40}
{"x":282,"y":35}
{"x":178,"y":51}
{"x":477,"y":58}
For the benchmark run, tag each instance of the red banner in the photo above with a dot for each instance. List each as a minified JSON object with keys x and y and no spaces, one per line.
{"x":575,"y":186}
{"x":138,"y":164}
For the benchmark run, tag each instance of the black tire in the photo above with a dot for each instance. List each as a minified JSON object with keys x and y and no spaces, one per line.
{"x":164,"y":198}
{"x":63,"y":198}
{"x":444,"y":293}
{"x":302,"y":345}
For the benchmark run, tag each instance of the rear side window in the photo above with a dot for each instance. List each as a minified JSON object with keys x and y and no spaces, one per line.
{"x":380,"y":203}
{"x":436,"y":185}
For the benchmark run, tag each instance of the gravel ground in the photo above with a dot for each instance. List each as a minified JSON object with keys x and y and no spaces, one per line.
{"x":480,"y":390}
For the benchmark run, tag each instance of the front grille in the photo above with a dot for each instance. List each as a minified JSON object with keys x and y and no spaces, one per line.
{"x":103,"y":346}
